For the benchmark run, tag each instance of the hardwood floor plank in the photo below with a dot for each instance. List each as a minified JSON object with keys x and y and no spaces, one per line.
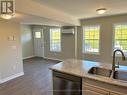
{"x":36,"y":81}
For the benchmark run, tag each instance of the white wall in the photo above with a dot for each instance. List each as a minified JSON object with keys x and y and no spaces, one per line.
{"x":106,"y":37}
{"x":10,"y":51}
{"x":68,"y":41}
{"x":27,"y":41}
{"x":67,"y":44}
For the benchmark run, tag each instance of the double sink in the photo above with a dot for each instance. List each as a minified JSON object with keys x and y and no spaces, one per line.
{"x":120,"y":75}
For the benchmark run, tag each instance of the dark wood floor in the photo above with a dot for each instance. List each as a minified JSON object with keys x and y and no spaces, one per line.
{"x":36,"y":81}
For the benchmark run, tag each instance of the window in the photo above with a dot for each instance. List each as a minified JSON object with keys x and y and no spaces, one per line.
{"x":120,"y":39}
{"x":37,"y":34}
{"x":55,"y":39}
{"x":91,"y":35}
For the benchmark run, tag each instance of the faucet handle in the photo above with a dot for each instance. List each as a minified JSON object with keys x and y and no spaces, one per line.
{"x":117,"y":66}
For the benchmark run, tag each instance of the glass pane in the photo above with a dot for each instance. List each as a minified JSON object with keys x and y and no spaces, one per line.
{"x":121,"y":37}
{"x":55,"y":39}
{"x":91,"y":38}
{"x":37,"y":34}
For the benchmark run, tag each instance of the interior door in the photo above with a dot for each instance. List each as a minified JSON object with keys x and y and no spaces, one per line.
{"x":38,"y":42}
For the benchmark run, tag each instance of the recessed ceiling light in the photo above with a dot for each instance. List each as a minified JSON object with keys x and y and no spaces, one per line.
{"x":6,"y":16}
{"x":101,"y":10}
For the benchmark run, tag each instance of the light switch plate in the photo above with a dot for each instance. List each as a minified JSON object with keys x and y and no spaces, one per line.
{"x":10,"y":38}
{"x":14,"y":38}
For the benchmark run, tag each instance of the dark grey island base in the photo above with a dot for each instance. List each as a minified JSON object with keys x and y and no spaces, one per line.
{"x":65,"y":84}
{"x":71,"y":77}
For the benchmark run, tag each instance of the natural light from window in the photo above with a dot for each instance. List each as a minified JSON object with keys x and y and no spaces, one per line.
{"x":121,"y":37}
{"x":37,"y":34}
{"x":91,"y":35}
{"x":55,"y":40}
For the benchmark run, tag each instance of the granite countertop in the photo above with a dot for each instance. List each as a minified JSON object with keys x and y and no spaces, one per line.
{"x":81,"y":67}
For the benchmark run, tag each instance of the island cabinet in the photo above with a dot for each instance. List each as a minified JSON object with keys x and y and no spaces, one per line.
{"x":117,"y":94}
{"x":66,"y":84}
{"x":93,"y":90}
{"x":93,"y":87}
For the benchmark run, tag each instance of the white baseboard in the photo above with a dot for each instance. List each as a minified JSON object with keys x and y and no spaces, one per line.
{"x":0,"y":81}
{"x":28,"y":57}
{"x":11,"y":77}
{"x":52,"y":58}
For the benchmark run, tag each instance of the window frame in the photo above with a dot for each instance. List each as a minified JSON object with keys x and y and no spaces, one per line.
{"x":83,"y":50}
{"x":113,"y":40}
{"x":51,"y":40}
{"x":36,"y":36}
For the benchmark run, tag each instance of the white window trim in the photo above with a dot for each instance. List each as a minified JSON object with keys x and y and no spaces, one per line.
{"x":113,"y":36}
{"x":51,"y":50}
{"x":36,"y":35}
{"x":91,"y":53}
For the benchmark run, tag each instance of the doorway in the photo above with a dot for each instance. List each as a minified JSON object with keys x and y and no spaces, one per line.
{"x":38,"y":42}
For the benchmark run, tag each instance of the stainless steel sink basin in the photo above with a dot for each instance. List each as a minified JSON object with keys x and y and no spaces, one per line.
{"x":100,"y":71}
{"x":120,"y":75}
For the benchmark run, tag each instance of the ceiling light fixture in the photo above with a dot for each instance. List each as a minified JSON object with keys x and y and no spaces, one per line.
{"x":101,"y":10}
{"x":6,"y":16}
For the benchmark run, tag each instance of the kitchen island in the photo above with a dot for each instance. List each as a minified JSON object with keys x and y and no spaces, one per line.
{"x":91,"y":84}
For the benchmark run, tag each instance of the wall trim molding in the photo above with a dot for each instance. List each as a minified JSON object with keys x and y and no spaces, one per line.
{"x":11,"y":77}
{"x":28,"y":57}
{"x":53,"y":59}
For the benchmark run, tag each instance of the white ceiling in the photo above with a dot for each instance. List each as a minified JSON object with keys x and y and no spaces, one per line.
{"x":35,"y":20}
{"x":64,"y":12}
{"x":86,"y":8}
{"x":33,"y":12}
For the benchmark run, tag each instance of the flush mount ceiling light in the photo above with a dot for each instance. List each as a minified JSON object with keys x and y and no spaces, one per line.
{"x":6,"y":16}
{"x":101,"y":10}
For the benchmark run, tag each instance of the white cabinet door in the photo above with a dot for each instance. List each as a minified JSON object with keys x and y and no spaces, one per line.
{"x":116,"y":94}
{"x":92,"y":90}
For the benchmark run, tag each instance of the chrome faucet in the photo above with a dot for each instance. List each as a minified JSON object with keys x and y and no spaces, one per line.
{"x":114,"y":57}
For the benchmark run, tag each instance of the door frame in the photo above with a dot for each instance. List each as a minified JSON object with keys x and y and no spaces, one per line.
{"x":42,"y":39}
